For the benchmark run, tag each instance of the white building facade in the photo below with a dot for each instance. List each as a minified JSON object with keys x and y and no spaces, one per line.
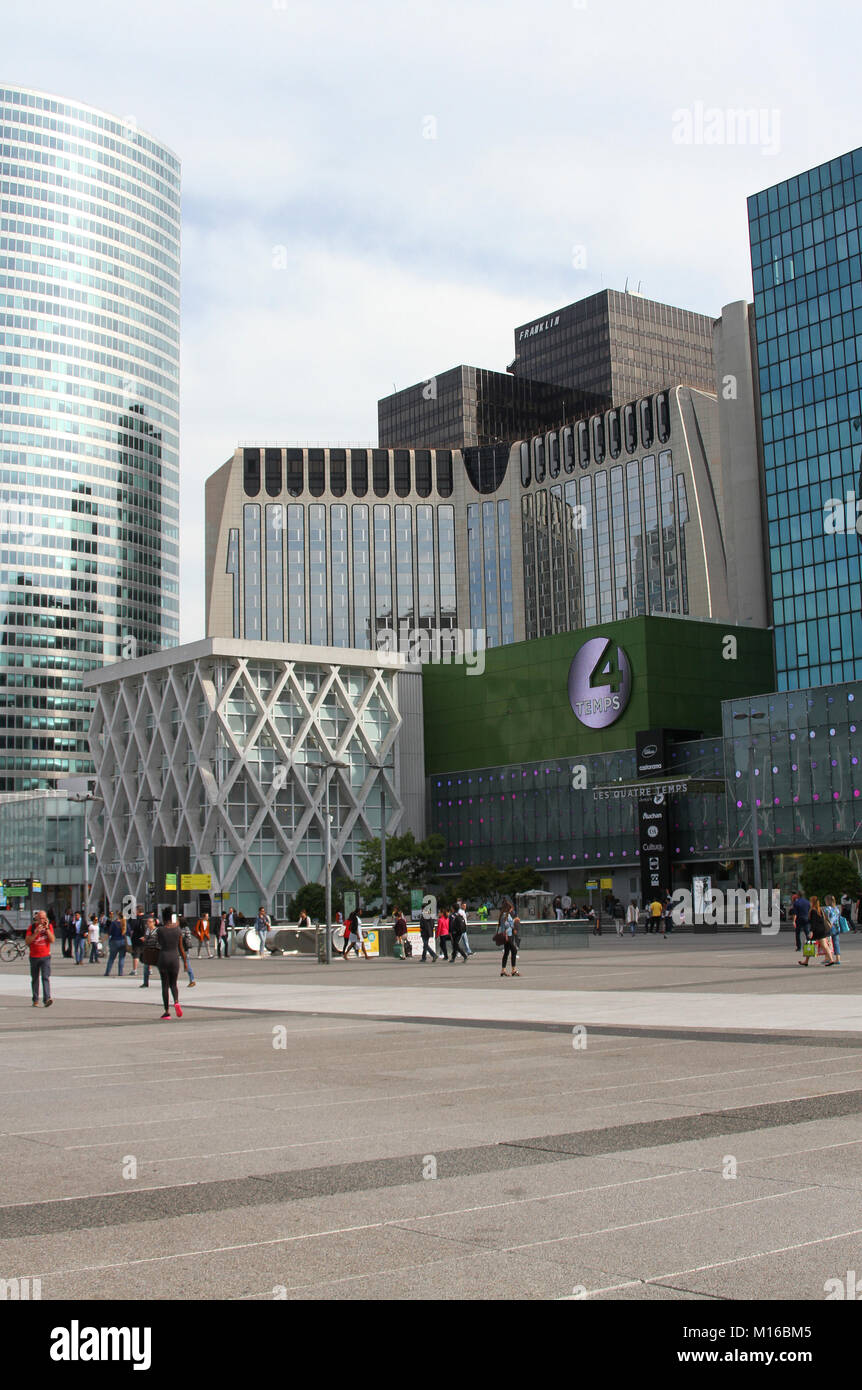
{"x":235,"y":748}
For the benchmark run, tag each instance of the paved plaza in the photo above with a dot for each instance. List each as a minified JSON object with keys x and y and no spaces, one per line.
{"x":646,"y":1119}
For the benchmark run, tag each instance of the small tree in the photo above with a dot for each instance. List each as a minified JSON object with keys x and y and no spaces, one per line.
{"x":825,"y":874}
{"x":312,"y":897}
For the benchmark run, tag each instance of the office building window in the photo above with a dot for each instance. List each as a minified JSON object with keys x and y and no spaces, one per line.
{"x":598,"y":438}
{"x":382,"y":568}
{"x":583,"y":444}
{"x":682,"y":518}
{"x":631,"y":428}
{"x":340,"y":575}
{"x":274,"y":572}
{"x":425,"y":565}
{"x":614,"y":434}
{"x":338,"y":472}
{"x":539,"y":459}
{"x":401,"y":469}
{"x":553,"y":448}
{"x":525,"y":464}
{"x":295,"y":572}
{"x":528,"y":544}
{"x":617,"y":500}
{"x":359,"y":472}
{"x":490,"y":574}
{"x":588,"y":553}
{"x":646,"y":423}
{"x":317,"y":612}
{"x":444,"y":472}
{"x":507,"y":606}
{"x":668,"y":532}
{"x":251,"y":472}
{"x":422,"y":460}
{"x":316,"y":473}
{"x":655,"y":599}
{"x":251,"y":584}
{"x":603,"y":549}
{"x":573,"y":554}
{"x":361,"y":578}
{"x":474,"y":566}
{"x":543,"y":565}
{"x":663,"y":411}
{"x":232,"y":568}
{"x":446,"y":558}
{"x":569,"y":449}
{"x":380,"y":468}
{"x":272,"y":472}
{"x":636,"y":541}
{"x":558,"y":563}
{"x":404,"y":561}
{"x":295,"y":481}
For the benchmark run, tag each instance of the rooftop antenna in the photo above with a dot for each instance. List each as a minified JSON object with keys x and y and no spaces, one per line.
{"x":626,"y":290}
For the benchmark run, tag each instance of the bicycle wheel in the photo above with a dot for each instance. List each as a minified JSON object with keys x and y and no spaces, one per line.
{"x":10,"y":950}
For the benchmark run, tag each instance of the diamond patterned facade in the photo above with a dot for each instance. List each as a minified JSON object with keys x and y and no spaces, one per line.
{"x":223,"y":746}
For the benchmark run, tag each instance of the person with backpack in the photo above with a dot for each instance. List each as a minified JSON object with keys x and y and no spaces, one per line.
{"x":465,"y":940}
{"x":619,"y":916}
{"x":188,"y":941}
{"x":443,"y":934}
{"x":426,"y":931}
{"x":456,"y":931}
{"x":148,"y":940}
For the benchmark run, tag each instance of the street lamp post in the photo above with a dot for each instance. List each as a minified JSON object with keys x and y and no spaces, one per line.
{"x":752,"y":798}
{"x":381,"y":768}
{"x":330,"y":768}
{"x":85,"y":799}
{"x":151,"y":803}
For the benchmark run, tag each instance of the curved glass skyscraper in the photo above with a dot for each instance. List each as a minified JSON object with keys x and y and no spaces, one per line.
{"x":89,"y":403}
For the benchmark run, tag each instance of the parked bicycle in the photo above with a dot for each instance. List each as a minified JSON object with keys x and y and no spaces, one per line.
{"x":12,"y":948}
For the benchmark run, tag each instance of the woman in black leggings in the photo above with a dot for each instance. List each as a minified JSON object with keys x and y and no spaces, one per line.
{"x":170,"y":950}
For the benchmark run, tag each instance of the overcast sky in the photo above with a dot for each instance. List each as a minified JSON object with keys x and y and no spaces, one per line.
{"x":374,"y":192}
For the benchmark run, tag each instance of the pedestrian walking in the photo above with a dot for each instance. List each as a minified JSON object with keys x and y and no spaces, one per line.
{"x":800,"y":909}
{"x":188,"y":941}
{"x":443,"y":934}
{"x":401,"y":940}
{"x":619,"y":916}
{"x":117,"y":940}
{"x":262,"y":925}
{"x":80,"y":938}
{"x":820,"y":931}
{"x":655,"y":910}
{"x":465,"y":940}
{"x":221,"y":937}
{"x":836,"y":925}
{"x":40,"y":939}
{"x":509,"y":926}
{"x":149,"y":940}
{"x":355,"y":936}
{"x":171,"y":950}
{"x":426,"y":931}
{"x":137,"y":932}
{"x":93,"y":934}
{"x":202,"y":932}
{"x":67,"y":933}
{"x":456,"y":930}
{"x":632,"y":914}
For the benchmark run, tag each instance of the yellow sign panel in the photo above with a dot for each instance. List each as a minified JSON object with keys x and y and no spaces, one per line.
{"x":202,"y":882}
{"x":607,"y":883}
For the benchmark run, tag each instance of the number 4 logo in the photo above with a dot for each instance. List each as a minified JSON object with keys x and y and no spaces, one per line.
{"x":606,"y":673}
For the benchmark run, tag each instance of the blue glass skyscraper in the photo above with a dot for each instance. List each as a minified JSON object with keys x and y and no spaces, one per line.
{"x":807,"y":273}
{"x":89,"y":418}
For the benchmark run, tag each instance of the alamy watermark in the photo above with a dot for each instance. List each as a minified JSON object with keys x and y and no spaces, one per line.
{"x":448,"y":646}
{"x":735,"y":907}
{"x":717,"y":125}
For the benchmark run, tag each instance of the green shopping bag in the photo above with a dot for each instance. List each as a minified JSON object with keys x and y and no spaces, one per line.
{"x":809,"y":948}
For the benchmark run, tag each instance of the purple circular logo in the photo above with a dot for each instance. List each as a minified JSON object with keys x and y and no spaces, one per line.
{"x":600,"y":683}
